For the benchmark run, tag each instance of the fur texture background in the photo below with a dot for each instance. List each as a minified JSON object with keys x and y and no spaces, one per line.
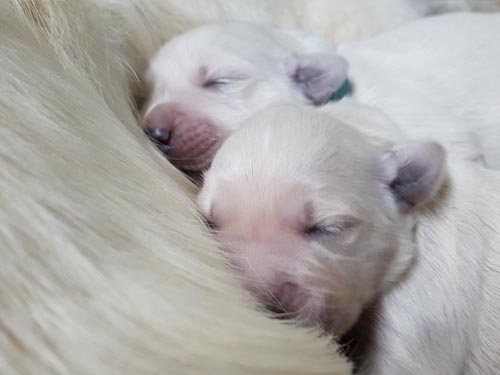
{"x":106,"y":268}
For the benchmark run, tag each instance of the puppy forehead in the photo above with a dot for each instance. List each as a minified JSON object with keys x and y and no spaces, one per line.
{"x":232,"y":35}
{"x":285,"y":147}
{"x":294,"y":204}
{"x":285,"y":140}
{"x":219,"y":44}
{"x":266,"y":205}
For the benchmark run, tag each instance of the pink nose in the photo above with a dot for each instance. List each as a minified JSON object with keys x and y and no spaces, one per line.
{"x":187,"y":139}
{"x":276,"y":290}
{"x":284,"y":298}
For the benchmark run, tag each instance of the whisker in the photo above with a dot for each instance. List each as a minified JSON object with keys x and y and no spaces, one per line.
{"x":263,"y":285}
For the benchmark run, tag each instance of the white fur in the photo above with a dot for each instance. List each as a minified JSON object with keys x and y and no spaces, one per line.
{"x":256,"y":75}
{"x":199,"y":118}
{"x":436,"y":294}
{"x":443,"y":80}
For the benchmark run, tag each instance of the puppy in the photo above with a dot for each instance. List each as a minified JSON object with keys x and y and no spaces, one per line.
{"x":438,"y":76}
{"x":324,"y":217}
{"x":203,"y":84}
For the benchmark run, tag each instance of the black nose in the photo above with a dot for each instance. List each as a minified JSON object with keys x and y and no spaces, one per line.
{"x":158,"y":135}
{"x":161,"y":137}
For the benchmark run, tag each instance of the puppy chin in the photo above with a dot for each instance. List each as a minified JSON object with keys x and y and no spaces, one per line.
{"x":311,"y":309}
{"x":301,"y":308}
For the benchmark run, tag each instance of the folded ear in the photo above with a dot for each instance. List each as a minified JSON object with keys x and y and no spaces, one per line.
{"x":414,"y":173}
{"x":317,"y":75}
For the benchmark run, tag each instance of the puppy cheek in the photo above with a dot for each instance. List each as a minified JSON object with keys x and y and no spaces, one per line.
{"x":337,"y":298}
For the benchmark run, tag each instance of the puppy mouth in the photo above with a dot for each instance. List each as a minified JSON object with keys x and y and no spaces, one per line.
{"x":279,"y":312}
{"x":188,"y":141}
{"x":303,"y":308}
{"x":189,"y":157}
{"x":197,"y":158}
{"x":318,"y":320}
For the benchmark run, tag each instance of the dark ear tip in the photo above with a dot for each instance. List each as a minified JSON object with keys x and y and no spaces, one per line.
{"x":317,"y":75}
{"x":414,"y":173}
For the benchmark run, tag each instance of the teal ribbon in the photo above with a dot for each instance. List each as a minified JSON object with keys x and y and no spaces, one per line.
{"x":343,"y":91}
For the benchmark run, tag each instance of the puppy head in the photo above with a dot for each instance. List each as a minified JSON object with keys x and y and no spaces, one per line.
{"x":314,"y":217}
{"x":203,"y":84}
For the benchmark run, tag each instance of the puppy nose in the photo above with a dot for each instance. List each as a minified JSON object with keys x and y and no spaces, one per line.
{"x":287,"y":293}
{"x":161,"y":137}
{"x":158,"y":135}
{"x":160,"y":124}
{"x":283,"y":300}
{"x":188,"y":139}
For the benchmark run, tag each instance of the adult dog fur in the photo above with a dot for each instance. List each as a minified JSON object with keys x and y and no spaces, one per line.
{"x":106,"y":268}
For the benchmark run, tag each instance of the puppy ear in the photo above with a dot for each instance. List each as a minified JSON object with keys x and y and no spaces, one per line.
{"x":317,"y":75}
{"x":414,"y":173}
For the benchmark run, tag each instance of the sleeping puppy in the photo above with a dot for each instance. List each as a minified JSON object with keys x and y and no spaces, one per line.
{"x":439,"y":76}
{"x":203,"y":84}
{"x":325,"y":218}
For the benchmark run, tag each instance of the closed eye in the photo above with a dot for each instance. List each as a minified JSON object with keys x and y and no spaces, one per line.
{"x":331,"y":228}
{"x":224,"y":81}
{"x":320,"y":230}
{"x":217,"y":82}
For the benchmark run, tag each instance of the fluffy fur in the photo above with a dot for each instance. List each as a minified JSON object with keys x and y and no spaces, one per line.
{"x":106,"y":267}
{"x":326,"y":215}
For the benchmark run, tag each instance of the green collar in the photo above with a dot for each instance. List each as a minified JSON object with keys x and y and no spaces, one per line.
{"x":344,"y":90}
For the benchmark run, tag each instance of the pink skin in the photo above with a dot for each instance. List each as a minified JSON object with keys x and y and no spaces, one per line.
{"x":276,"y":289}
{"x":265,"y":243}
{"x":192,"y":139}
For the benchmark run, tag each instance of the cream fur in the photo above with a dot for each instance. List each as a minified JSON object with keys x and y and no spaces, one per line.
{"x":106,"y":268}
{"x":451,"y":294}
{"x":427,"y":277}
